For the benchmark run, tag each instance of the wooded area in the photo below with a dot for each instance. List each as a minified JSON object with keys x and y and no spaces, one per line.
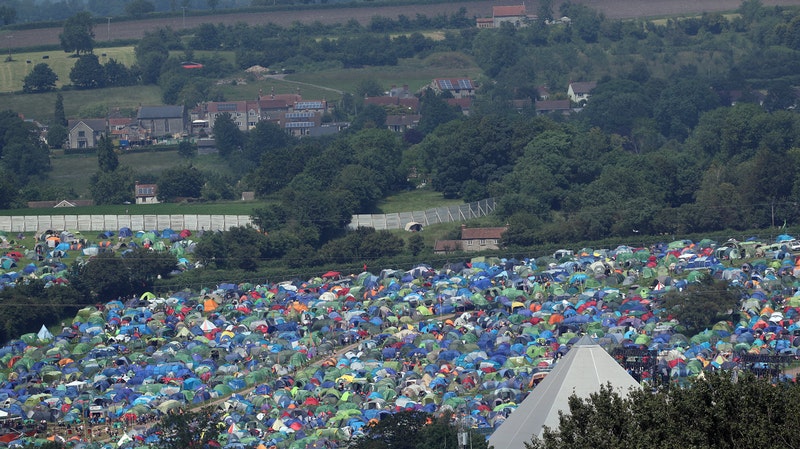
{"x":691,"y":128}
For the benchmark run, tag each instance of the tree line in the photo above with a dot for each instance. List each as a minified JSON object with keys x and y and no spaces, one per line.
{"x":718,"y":410}
{"x":658,"y":149}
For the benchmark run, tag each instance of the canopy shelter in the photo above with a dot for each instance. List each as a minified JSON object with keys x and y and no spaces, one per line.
{"x":585,"y":368}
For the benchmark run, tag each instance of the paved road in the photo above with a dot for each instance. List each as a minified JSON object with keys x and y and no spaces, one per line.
{"x":615,"y":9}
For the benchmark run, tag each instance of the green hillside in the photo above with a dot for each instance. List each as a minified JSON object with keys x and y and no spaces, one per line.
{"x":12,"y":73}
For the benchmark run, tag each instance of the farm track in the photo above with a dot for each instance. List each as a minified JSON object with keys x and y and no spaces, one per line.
{"x":614,"y":9}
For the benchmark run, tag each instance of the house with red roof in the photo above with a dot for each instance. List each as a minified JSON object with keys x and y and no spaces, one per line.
{"x":515,"y":15}
{"x":472,"y":240}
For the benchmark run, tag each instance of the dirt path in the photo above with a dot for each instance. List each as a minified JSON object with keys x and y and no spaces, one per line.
{"x":614,"y":9}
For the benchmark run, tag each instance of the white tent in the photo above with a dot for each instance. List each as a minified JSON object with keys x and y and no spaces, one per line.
{"x":44,"y":334}
{"x":582,"y":371}
{"x":208,"y":326}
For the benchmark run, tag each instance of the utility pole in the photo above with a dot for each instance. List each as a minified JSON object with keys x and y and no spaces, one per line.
{"x":464,"y":440}
{"x":108,"y":29}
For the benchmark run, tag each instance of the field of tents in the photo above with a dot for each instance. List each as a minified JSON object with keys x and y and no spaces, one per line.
{"x":309,"y":363}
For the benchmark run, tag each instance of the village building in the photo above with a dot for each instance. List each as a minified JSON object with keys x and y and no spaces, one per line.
{"x":458,"y":87}
{"x":146,"y":193}
{"x":579,"y":92}
{"x":85,"y":133}
{"x":161,"y":121}
{"x":515,"y":15}
{"x":472,"y":240}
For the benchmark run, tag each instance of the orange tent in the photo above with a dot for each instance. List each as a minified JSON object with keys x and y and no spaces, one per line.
{"x":210,"y":305}
{"x":299,"y":306}
{"x":555,"y":318}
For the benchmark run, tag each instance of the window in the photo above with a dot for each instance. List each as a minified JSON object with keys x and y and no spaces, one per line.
{"x":81,"y":133}
{"x":483,"y":242}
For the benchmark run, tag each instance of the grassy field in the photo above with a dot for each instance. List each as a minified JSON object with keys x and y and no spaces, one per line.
{"x":323,"y":84}
{"x":82,"y":103}
{"x":418,"y":199}
{"x":73,"y":172}
{"x":414,"y":72}
{"x":13,"y":73}
{"x":250,"y":89}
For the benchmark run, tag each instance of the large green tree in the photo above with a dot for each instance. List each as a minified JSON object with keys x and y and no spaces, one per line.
{"x":175,"y":182}
{"x":117,"y":75}
{"x":8,"y":14}
{"x":238,"y":247}
{"x":59,"y":116}
{"x":107,"y":159}
{"x":87,"y":73}
{"x":152,"y":52}
{"x":29,"y":305}
{"x":22,"y":152}
{"x":416,"y":430}
{"x":78,"y":34}
{"x":104,"y":277}
{"x":227,"y":135}
{"x":41,"y":79}
{"x":190,"y":429}
{"x":700,"y":305}
{"x":139,"y":8}
{"x":147,"y":266}
{"x":57,"y":136}
{"x":114,"y":187}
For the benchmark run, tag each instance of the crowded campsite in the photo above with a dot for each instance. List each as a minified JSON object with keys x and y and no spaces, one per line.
{"x":303,"y":363}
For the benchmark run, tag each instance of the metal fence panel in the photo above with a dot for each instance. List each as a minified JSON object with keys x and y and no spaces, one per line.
{"x":457,"y":213}
{"x":35,"y":223}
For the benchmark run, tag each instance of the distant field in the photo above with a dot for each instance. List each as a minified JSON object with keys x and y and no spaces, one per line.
{"x":12,"y":74}
{"x":418,"y":199}
{"x":414,"y":72}
{"x":250,"y":89}
{"x":325,"y":84}
{"x":82,"y":103}
{"x":73,"y":171}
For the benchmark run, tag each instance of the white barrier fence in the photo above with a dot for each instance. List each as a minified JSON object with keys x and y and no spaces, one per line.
{"x":34,"y":223}
{"x":461,"y":212}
